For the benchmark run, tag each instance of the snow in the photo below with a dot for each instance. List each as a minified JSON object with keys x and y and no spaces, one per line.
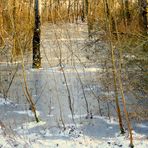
{"x":5,"y":101}
{"x":29,"y":126}
{"x":37,"y":135}
{"x":29,"y":113}
{"x":98,"y":132}
{"x":142,"y":126}
{"x":77,"y":116}
{"x":45,"y":85}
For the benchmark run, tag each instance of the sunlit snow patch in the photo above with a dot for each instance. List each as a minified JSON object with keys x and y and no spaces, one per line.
{"x":33,"y":124}
{"x":30,"y":125}
{"x":36,"y":69}
{"x":92,"y":69}
{"x":5,"y":102}
{"x":27,"y":112}
{"x":77,"y":116}
{"x":142,"y":125}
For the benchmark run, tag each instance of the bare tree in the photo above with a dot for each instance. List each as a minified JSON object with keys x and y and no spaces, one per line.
{"x":114,"y":70}
{"x":126,"y":12}
{"x":36,"y":37}
{"x":143,"y":17}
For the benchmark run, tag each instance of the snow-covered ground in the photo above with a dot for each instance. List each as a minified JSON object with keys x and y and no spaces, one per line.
{"x":98,"y":132}
{"x":48,"y":89}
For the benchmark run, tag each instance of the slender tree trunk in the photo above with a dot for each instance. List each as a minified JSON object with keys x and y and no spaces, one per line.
{"x":14,"y":31}
{"x":6,"y":17}
{"x":69,"y":8}
{"x":143,"y":15}
{"x":119,"y":75}
{"x":36,"y":37}
{"x":86,"y":7}
{"x":29,"y":10}
{"x":77,"y":11}
{"x":83,"y":11}
{"x":1,"y":26}
{"x":109,"y":15}
{"x":127,"y":11}
{"x":115,"y":88}
{"x":108,"y":26}
{"x":125,"y":108}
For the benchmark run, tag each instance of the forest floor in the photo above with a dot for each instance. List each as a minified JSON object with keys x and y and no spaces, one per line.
{"x":95,"y":132}
{"x":91,"y":126}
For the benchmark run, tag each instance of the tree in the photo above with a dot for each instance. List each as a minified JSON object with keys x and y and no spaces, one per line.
{"x":126,"y":12}
{"x":6,"y":16}
{"x":114,"y":69}
{"x":86,"y":7}
{"x":84,"y":11}
{"x":143,"y":17}
{"x":1,"y":25}
{"x":14,"y":30}
{"x":36,"y":37}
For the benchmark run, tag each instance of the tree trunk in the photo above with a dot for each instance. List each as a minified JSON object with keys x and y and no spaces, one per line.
{"x":1,"y":25}
{"x":127,"y":12}
{"x":69,"y":8}
{"x":114,"y":70}
{"x":29,"y":10}
{"x":36,"y":38}
{"x":14,"y":31}
{"x":86,"y":7}
{"x":6,"y":17}
{"x":143,"y":15}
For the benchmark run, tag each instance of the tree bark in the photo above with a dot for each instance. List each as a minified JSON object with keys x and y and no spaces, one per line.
{"x":143,"y":15}
{"x":36,"y":38}
{"x":114,"y":70}
{"x":86,"y":7}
